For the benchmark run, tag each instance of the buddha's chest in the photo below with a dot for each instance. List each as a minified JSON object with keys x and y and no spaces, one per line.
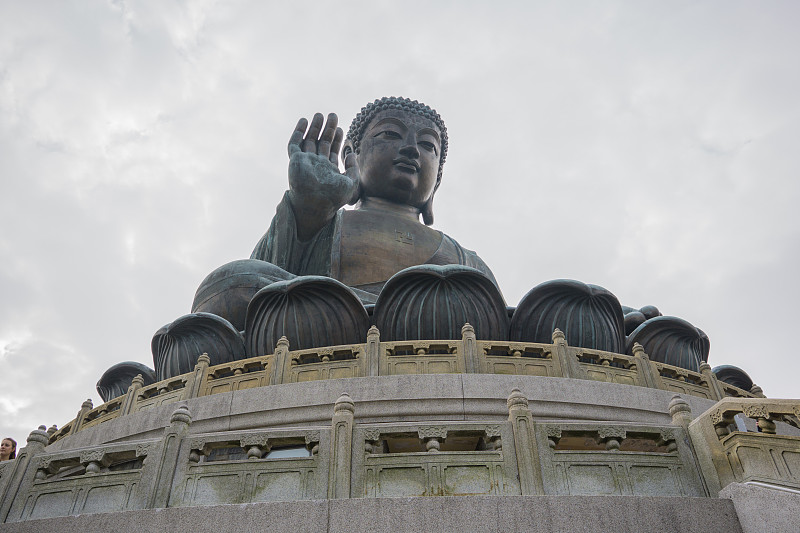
{"x":372,"y":247}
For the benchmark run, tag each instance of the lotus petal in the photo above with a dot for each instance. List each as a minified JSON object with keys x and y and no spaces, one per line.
{"x":590,"y":316}
{"x":434,"y":302}
{"x":733,"y":375}
{"x":177,"y":346}
{"x":311,"y":311}
{"x":671,"y":340}
{"x":115,"y":381}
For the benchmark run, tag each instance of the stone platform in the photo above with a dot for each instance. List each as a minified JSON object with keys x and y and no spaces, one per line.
{"x":489,"y":514}
{"x":250,"y":446}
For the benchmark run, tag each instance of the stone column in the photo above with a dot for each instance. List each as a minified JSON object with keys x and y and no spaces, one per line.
{"x":132,"y":396}
{"x":570,"y":367}
{"x":85,"y":408}
{"x":167,"y":459}
{"x":644,"y":368}
{"x":528,"y":464}
{"x":472,"y":364}
{"x":279,"y":361}
{"x":22,"y":471}
{"x":373,"y":351}
{"x":340,"y":458}
{"x":680,"y":411}
{"x":197,"y":379}
{"x":704,"y":435}
{"x":713,"y":384}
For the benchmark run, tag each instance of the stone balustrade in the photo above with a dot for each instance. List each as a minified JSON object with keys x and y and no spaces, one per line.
{"x":749,"y":440}
{"x":523,"y":448}
{"x":376,"y":358}
{"x":349,"y":458}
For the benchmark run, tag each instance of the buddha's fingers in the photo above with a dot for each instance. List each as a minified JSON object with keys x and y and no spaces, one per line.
{"x":351,"y":171}
{"x":310,"y":142}
{"x":297,"y":136}
{"x":328,"y":133}
{"x":336,"y":146}
{"x":350,"y":163}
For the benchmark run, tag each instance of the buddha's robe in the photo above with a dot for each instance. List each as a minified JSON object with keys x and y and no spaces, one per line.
{"x":361,"y":249}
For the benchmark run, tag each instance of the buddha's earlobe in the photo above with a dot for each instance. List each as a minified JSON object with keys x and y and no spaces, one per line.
{"x":427,"y":212}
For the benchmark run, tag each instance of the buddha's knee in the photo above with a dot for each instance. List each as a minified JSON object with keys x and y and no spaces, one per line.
{"x":227,"y":290}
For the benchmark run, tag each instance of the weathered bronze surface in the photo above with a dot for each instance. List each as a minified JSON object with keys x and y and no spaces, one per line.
{"x":434,"y":302}
{"x":316,"y":273}
{"x":671,"y":340}
{"x":590,"y":316}
{"x":176,"y":346}
{"x":310,"y":311}
{"x":227,"y":290}
{"x":733,"y":375}
{"x":393,"y":158}
{"x":116,"y":380}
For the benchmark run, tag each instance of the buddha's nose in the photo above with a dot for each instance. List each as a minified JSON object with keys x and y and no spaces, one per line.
{"x":409,"y":149}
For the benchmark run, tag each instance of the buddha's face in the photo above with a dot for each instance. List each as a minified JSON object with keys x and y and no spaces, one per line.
{"x":399,"y":158}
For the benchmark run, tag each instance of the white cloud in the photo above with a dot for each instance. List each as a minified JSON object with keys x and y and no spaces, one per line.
{"x":645,"y":147}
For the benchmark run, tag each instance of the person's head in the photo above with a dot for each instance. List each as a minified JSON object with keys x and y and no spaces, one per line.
{"x":8,"y":449}
{"x":400,"y":147}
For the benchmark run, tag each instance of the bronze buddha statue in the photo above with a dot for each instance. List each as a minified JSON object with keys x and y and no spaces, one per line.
{"x":393,"y":156}
{"x":316,"y":273}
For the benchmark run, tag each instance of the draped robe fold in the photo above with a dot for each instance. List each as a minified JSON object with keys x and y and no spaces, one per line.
{"x":319,"y":255}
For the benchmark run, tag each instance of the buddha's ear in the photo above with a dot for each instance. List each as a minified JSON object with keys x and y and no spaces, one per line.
{"x":347,"y":148}
{"x":427,"y":209}
{"x":427,"y":212}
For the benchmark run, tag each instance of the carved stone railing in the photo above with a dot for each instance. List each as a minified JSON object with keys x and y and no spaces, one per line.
{"x":242,"y":467}
{"x":644,"y":460}
{"x":768,"y":454}
{"x":376,"y":358}
{"x":443,"y":459}
{"x":346,"y":458}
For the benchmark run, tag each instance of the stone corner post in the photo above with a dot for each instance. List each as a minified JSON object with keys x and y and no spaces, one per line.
{"x":279,"y":361}
{"x":167,"y":457}
{"x":570,"y":367}
{"x":85,"y":408}
{"x":341,"y":448}
{"x":469,"y":343}
{"x":713,"y":383}
{"x":195,"y":384}
{"x":528,"y":465}
{"x":648,"y":376}
{"x":373,"y":351}
{"x":132,"y":396}
{"x":22,"y":471}
{"x":680,"y":411}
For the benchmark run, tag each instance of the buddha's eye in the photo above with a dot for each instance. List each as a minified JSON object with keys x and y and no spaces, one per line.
{"x":389,"y":134}
{"x":428,"y":146}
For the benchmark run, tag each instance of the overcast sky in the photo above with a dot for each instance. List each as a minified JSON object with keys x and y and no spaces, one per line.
{"x":647,"y":147}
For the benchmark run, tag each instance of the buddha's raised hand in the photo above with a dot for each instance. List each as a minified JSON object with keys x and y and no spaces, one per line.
{"x":317,"y":188}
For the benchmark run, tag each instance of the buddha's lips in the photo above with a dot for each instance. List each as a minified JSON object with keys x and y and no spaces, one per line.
{"x":407,"y":163}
